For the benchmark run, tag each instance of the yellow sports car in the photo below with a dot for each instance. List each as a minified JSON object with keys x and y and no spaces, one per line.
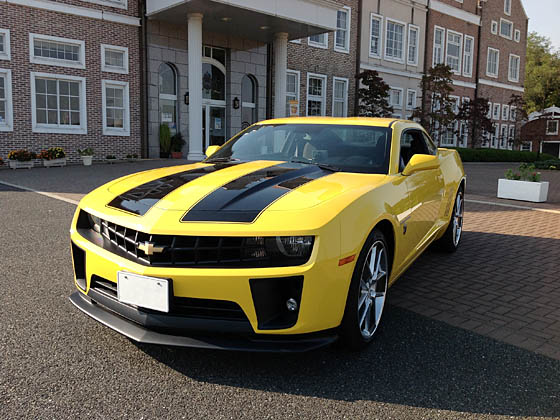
{"x":285,"y":238}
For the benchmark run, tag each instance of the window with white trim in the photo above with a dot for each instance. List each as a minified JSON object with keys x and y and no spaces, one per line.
{"x":496,"y":112}
{"x":292,"y":92}
{"x":513,"y":113}
{"x":5,"y":44}
{"x":342,"y":34}
{"x":454,"y":47}
{"x":511,"y":135}
{"x":507,"y":7}
{"x":413,"y":37}
{"x":340,"y":97}
{"x":495,"y":134}
{"x":514,"y":63}
{"x":58,"y":103}
{"x":493,"y":62}
{"x":468,"y":54}
{"x":411,"y":96}
{"x":119,"y":4}
{"x":552,"y":127}
{"x":505,"y":112}
{"x":319,"y":41}
{"x":6,"y":106}
{"x":527,"y":146}
{"x":489,"y":114}
{"x":56,"y":51}
{"x":116,"y":108}
{"x":517,"y":35}
{"x":396,"y":97}
{"x":375,"y":42}
{"x":394,"y":41}
{"x":114,"y":59}
{"x":504,"y":136}
{"x":494,"y":27}
{"x":439,"y":35}
{"x":316,"y":94}
{"x":506,"y":28}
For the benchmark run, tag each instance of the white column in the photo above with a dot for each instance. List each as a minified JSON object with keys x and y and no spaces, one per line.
{"x":195,"y":86}
{"x":280,"y":66}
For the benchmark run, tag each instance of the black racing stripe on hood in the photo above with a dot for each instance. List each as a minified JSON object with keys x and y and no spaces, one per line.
{"x":142,"y":198}
{"x":243,"y":199}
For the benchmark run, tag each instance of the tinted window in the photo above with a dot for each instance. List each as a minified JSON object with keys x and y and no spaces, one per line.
{"x":361,"y":149}
{"x":414,"y":142}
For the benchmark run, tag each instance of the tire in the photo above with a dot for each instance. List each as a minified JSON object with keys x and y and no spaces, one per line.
{"x":451,"y":239}
{"x":367,"y":293}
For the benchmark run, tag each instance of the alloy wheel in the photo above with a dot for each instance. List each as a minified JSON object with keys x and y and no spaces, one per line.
{"x":458,"y":219}
{"x":373,"y":289}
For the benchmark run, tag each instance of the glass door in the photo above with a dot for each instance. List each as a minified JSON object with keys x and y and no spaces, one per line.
{"x":213,"y":125}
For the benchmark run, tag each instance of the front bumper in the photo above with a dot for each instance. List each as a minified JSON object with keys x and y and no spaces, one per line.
{"x":242,"y":342}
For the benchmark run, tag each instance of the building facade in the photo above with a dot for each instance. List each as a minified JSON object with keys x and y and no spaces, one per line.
{"x":542,"y":132}
{"x":70,"y":76}
{"x":321,"y":69}
{"x":501,"y":66}
{"x":393,"y":34}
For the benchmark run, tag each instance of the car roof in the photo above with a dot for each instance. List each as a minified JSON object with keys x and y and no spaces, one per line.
{"x":373,"y":122}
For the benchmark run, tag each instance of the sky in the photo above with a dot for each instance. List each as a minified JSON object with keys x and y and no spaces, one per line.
{"x":544,"y":18}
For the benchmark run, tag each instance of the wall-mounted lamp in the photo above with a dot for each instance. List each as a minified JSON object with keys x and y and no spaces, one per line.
{"x":236,"y":103}
{"x":186,"y":98}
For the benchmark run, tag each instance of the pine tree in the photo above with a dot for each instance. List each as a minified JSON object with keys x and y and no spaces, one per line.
{"x":474,"y":117}
{"x":373,"y":97}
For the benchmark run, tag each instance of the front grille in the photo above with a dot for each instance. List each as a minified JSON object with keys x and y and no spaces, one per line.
{"x":192,"y":251}
{"x":182,"y":306}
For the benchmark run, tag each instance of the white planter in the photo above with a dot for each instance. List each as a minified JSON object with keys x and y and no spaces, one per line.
{"x":87,"y":160}
{"x":54,"y":162}
{"x":14,"y":164}
{"x":535,"y":192}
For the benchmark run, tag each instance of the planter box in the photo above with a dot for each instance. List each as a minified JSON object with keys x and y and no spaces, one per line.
{"x":535,"y":192}
{"x":54,"y":162}
{"x":87,"y":160}
{"x":15,"y":164}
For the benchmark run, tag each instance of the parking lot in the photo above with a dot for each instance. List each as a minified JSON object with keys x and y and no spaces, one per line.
{"x":471,"y":335}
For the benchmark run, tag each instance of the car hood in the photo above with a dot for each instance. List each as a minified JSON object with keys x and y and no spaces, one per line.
{"x":232,"y":192}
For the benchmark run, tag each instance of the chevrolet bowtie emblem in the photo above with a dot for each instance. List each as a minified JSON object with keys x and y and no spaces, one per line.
{"x":149,"y":248}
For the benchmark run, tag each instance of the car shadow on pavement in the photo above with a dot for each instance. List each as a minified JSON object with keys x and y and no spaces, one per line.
{"x":415,"y":361}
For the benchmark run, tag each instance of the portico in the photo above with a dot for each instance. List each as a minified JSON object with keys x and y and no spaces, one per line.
{"x":223,"y":69}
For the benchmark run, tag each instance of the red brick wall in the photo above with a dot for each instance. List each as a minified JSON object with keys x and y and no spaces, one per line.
{"x":21,"y":21}
{"x":308,"y":59}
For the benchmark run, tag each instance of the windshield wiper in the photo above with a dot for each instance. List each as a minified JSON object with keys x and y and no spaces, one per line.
{"x":320,"y":165}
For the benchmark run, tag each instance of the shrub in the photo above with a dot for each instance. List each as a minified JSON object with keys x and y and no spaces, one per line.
{"x":177,"y":142}
{"x":526,"y":172}
{"x":496,"y":155}
{"x":21,"y":155}
{"x":164,"y":138}
{"x":88,"y":151}
{"x":1,"y":161}
{"x":52,"y":153}
{"x":552,"y":164}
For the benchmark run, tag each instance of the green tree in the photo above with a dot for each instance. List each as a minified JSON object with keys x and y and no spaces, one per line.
{"x":474,"y":117}
{"x":437,"y":111}
{"x":542,"y":80}
{"x":373,"y":97}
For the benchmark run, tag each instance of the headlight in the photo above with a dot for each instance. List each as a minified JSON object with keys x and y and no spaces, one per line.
{"x":291,"y":249}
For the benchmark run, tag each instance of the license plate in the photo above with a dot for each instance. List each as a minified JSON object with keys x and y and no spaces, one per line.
{"x":147,"y":292}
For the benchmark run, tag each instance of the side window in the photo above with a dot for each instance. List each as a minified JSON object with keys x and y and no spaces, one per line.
{"x":432,"y":149}
{"x":414,"y":142}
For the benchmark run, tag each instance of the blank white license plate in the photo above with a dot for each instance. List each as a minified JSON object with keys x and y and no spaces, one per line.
{"x":147,"y":292}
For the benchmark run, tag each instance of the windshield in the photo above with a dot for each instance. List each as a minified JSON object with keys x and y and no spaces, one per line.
{"x":347,"y":148}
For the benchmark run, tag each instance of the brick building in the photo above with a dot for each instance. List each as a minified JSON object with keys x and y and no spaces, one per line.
{"x":70,"y":76}
{"x":501,"y":66}
{"x":393,"y":43}
{"x":322,"y":68}
{"x":542,"y":132}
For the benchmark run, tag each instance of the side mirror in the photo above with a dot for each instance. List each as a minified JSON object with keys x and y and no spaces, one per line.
{"x":420,"y":163}
{"x":211,"y":150}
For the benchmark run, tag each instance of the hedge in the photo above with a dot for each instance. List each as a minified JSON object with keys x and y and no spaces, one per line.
{"x":548,"y":164}
{"x":496,"y":155}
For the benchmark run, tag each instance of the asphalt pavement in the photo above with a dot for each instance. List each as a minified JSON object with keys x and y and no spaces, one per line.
{"x":57,"y":363}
